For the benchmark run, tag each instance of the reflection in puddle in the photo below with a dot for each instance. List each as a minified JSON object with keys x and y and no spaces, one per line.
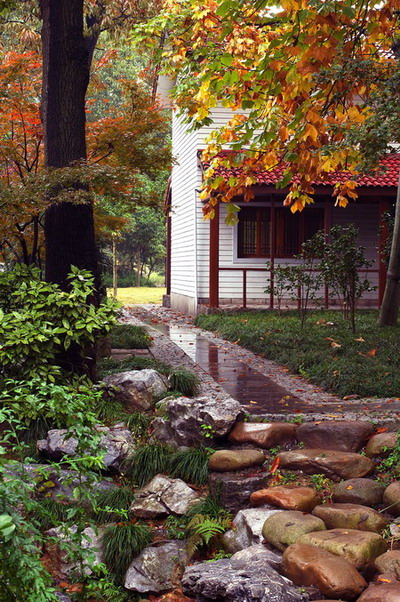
{"x":256,"y":392}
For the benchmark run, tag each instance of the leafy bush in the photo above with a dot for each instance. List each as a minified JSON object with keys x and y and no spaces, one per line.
{"x":122,"y":543}
{"x":147,"y":461}
{"x":191,"y":465}
{"x":49,"y":513}
{"x":41,"y":405}
{"x":38,"y":321}
{"x":184,"y":381}
{"x":128,"y":336}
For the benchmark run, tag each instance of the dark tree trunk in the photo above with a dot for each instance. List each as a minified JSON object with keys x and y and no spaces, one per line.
{"x":391,"y":299}
{"x":69,"y":228}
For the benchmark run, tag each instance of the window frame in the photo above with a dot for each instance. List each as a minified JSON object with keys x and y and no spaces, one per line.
{"x":258,"y":259}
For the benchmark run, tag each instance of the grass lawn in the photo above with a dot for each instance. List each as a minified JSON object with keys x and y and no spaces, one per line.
{"x":139,"y":294}
{"x":330,"y":355}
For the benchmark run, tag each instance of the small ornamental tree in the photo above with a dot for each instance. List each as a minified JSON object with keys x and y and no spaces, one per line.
{"x":341,"y":265}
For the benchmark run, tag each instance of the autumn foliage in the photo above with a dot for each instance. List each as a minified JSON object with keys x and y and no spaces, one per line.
{"x":126,"y":142}
{"x":301,"y":77}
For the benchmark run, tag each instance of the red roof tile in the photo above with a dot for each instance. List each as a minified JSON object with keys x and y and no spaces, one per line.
{"x":386,"y":175}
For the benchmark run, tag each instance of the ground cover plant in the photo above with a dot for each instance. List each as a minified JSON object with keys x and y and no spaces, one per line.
{"x":325,"y":350}
{"x":128,"y":336}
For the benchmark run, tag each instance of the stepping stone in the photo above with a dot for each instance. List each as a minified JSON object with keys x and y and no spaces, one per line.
{"x":389,"y":562}
{"x":391,"y":498}
{"x":288,"y":497}
{"x":358,"y":547}
{"x":341,"y":435}
{"x":381,"y":444}
{"x":225,"y":460}
{"x":359,"y":491}
{"x":248,"y":525}
{"x":234,"y":488}
{"x":329,"y":462}
{"x":265,"y":435}
{"x":284,"y":528}
{"x":387,"y":592}
{"x":350,"y":516}
{"x":332,"y":575}
{"x":163,"y":496}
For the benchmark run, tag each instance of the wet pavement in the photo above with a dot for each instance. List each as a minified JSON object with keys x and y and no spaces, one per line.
{"x":256,"y":392}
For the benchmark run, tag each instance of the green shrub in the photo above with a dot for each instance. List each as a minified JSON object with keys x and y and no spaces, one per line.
{"x":38,"y":321}
{"x":191,"y":465}
{"x":50,"y":513}
{"x":128,"y":336}
{"x":41,"y":405}
{"x":122,"y":543}
{"x":113,"y":505}
{"x":110,"y":365}
{"x":147,"y":461}
{"x":184,"y":381}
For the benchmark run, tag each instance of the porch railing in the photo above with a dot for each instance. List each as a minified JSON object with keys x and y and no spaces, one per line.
{"x":271,"y":276}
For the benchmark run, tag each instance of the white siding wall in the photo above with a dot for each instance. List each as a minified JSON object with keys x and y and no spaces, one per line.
{"x":188,"y":223}
{"x":184,"y":179}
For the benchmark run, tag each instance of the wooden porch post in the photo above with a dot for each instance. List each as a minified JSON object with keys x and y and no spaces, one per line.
{"x":327,"y":230}
{"x":272,"y":235}
{"x":384,"y":206}
{"x":214,"y":260}
{"x":168,"y":255}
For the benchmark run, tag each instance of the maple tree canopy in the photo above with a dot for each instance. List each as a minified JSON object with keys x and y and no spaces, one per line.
{"x":313,"y":86}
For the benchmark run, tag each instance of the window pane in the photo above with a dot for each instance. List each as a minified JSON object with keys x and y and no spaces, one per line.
{"x":313,"y":221}
{"x":254,"y":232}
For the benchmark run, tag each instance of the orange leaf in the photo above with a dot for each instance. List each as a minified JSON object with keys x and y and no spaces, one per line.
{"x":372,"y":352}
{"x":275,"y":465}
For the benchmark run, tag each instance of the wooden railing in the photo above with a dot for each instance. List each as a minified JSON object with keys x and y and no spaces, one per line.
{"x":271,"y":276}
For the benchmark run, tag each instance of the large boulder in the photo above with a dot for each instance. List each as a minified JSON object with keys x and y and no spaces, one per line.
{"x":381,"y":444}
{"x":350,"y":516}
{"x":225,"y":460}
{"x":239,"y":579}
{"x":389,"y":562}
{"x":138,"y":389}
{"x":391,"y":498}
{"x":387,"y":592}
{"x":199,"y":419}
{"x":247,"y":530}
{"x":265,"y":435}
{"x":366,"y":492}
{"x":284,"y":528}
{"x":335,"y":577}
{"x":116,"y":442}
{"x":234,"y":488}
{"x":360,"y":548}
{"x":288,"y":497}
{"x":341,"y":435}
{"x":332,"y":463}
{"x":89,"y":546}
{"x":158,"y":568}
{"x":162,"y":496}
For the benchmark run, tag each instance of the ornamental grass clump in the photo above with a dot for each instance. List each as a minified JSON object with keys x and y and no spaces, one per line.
{"x":184,"y":381}
{"x":128,"y":336}
{"x":191,"y":465}
{"x":121,"y":543}
{"x":147,"y":461}
{"x":113,"y":505}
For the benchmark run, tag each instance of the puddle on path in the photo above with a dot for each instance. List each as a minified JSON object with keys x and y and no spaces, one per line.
{"x":257,"y":393}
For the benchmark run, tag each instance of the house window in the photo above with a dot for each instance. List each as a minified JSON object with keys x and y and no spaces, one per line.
{"x":290,"y":229}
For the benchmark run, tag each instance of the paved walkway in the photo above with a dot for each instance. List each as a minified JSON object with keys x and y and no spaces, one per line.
{"x":225,"y":369}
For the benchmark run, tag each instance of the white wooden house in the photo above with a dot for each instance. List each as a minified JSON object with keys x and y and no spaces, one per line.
{"x":211,"y":264}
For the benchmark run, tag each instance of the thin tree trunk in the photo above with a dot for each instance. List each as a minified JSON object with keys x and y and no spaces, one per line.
{"x":69,"y":227}
{"x":391,"y":298}
{"x":138,"y":269}
{"x":115,"y":267}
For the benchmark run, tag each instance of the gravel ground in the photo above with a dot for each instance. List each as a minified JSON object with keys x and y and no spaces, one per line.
{"x":381,"y":410}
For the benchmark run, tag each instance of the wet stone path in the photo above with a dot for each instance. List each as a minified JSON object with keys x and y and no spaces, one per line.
{"x":261,"y":386}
